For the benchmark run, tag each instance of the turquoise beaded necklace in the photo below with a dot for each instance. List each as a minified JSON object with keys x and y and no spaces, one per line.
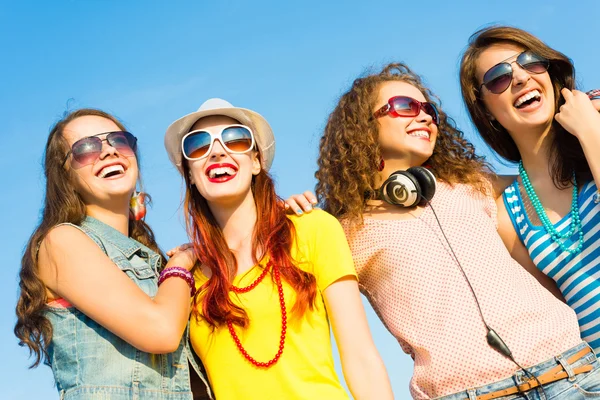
{"x":556,"y":236}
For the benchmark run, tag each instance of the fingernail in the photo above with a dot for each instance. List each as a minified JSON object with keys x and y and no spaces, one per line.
{"x":308,"y":207}
{"x":299,"y":211}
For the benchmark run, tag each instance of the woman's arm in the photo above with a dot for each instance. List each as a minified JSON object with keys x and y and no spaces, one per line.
{"x":363,"y":368}
{"x":518,"y":251}
{"x":73,"y":267}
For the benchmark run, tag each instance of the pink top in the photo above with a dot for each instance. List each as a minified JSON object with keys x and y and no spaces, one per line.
{"x":59,"y":303}
{"x":409,"y":276}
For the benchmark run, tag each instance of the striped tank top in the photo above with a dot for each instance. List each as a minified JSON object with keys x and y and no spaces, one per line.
{"x":577,"y":276}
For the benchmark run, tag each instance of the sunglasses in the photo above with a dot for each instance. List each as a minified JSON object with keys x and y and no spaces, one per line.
{"x":85,"y":151}
{"x":403,"y":106}
{"x":498,"y":78}
{"x":593,"y":94}
{"x":235,"y":139}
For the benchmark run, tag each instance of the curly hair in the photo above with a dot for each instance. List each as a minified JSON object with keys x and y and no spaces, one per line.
{"x":566,"y":153}
{"x":349,"y":150}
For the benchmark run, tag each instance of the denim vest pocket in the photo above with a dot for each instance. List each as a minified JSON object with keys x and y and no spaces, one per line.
{"x":136,"y":268}
{"x":138,"y":271}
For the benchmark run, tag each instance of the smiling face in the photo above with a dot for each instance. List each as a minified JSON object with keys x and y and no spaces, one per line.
{"x":112,"y":175}
{"x":404,"y":141}
{"x":222,"y":177}
{"x":527,"y":104}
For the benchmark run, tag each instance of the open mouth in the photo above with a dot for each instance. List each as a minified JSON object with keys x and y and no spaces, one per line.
{"x":111,"y":171}
{"x":421,"y":134}
{"x":221,"y":172}
{"x":528,"y":99}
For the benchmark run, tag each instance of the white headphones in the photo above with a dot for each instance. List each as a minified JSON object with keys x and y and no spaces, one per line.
{"x":415,"y":186}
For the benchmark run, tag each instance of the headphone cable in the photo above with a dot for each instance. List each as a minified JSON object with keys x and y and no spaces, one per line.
{"x":493,"y":339}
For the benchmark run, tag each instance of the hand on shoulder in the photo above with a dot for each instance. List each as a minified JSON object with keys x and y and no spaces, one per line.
{"x":301,"y":203}
{"x":182,"y":256}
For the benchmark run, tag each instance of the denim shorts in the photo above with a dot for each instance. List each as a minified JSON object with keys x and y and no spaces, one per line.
{"x":585,"y":385}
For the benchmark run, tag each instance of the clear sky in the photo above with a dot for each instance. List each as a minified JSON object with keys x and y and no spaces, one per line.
{"x":150,"y":62}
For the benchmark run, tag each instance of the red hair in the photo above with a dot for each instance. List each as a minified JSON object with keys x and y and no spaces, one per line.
{"x":273,"y":235}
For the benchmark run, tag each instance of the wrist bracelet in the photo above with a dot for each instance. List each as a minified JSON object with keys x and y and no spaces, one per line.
{"x":597,"y":197}
{"x":179,"y":273}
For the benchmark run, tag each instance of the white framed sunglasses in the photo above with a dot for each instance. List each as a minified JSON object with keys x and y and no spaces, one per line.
{"x":236,"y":139}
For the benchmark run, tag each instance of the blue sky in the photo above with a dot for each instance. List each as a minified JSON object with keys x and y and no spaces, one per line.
{"x":152,"y":62}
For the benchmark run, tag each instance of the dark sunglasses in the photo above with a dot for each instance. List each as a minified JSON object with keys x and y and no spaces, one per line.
{"x":403,"y":106}
{"x":234,"y":138}
{"x":85,"y":151}
{"x":498,"y":78}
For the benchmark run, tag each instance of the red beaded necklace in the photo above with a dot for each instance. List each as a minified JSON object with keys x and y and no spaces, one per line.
{"x":248,"y":288}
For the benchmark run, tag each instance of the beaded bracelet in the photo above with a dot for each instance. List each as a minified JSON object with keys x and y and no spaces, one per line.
{"x":179,"y":273}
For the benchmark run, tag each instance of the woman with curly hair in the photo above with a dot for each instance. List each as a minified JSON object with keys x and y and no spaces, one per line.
{"x":436,"y":271}
{"x":270,"y":285}
{"x":521,"y":96}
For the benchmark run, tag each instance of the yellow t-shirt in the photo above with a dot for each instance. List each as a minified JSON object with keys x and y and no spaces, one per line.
{"x":305,"y":369}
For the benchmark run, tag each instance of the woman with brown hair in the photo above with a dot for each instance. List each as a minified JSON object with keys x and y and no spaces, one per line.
{"x":427,"y":253}
{"x":521,"y":96}
{"x":270,"y":285}
{"x":92,"y":304}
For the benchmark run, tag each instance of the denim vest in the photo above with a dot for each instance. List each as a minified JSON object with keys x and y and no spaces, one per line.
{"x":90,"y":362}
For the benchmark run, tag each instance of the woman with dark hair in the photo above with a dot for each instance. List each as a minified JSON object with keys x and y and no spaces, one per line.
{"x":92,"y":304}
{"x":269,"y":285}
{"x":521,"y":96}
{"x":428,"y":256}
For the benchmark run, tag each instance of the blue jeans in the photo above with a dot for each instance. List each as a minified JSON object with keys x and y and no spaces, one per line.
{"x":578,"y":387}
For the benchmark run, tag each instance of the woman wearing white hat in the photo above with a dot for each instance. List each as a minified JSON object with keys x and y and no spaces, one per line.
{"x":259,"y":321}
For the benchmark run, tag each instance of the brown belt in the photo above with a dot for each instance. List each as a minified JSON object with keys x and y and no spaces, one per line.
{"x":555,"y":374}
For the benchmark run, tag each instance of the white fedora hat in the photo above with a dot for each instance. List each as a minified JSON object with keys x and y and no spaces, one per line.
{"x":263,"y":134}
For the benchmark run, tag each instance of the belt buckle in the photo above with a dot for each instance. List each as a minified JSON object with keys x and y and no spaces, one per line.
{"x":527,"y":385}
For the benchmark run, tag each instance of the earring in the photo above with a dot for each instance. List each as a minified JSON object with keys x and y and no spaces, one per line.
{"x":137,"y":206}
{"x":381,"y":165}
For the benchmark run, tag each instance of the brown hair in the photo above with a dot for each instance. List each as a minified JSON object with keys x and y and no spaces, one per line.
{"x":566,"y":154}
{"x":273,"y":235}
{"x":61,"y":205}
{"x":349,"y":149}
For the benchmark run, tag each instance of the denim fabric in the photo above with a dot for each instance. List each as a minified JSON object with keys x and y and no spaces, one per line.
{"x":90,"y":362}
{"x":579,"y":387}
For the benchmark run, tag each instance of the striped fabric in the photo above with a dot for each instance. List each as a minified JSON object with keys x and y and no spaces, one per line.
{"x":577,"y":276}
